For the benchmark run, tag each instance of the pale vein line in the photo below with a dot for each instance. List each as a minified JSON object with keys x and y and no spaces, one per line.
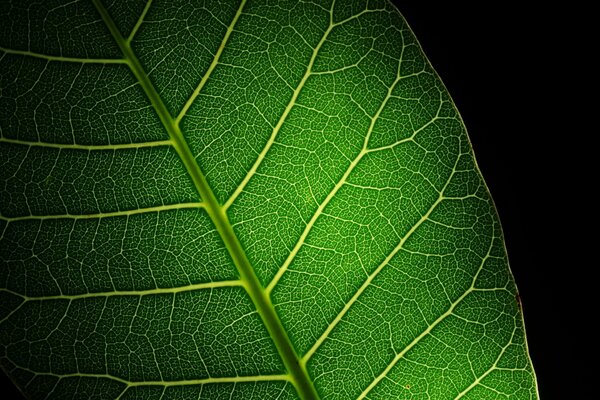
{"x":374,"y":274}
{"x":120,"y":396}
{"x":65,"y":59}
{"x":427,"y":331}
{"x":139,"y":22}
{"x":214,"y":63}
{"x":167,"y":207}
{"x":264,"y":307}
{"x":310,"y":224}
{"x":68,"y":146}
{"x":392,"y":145}
{"x":181,"y":289}
{"x":224,"y":379}
{"x":337,"y":187}
{"x":288,"y":109}
{"x":13,"y":311}
{"x":493,"y":367}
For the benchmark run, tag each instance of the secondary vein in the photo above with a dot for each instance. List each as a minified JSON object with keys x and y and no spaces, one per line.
{"x":141,"y":292}
{"x":309,"y":72}
{"x":212,"y":66}
{"x":124,"y":213}
{"x":63,"y":58}
{"x":431,"y":326}
{"x":90,"y":147}
{"x":166,"y":383}
{"x":139,"y":21}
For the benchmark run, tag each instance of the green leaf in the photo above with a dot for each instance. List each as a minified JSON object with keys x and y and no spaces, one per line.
{"x":243,"y":200}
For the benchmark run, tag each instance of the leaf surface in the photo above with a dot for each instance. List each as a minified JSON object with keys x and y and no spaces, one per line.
{"x":243,"y":200}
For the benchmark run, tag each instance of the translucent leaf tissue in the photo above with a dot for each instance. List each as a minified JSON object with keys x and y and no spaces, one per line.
{"x":243,"y":199}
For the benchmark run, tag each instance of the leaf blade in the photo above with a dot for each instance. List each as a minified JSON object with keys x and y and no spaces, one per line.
{"x":364,"y":124}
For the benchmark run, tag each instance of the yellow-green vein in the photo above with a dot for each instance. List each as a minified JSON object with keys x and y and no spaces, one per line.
{"x":298,"y":374}
{"x":63,"y":58}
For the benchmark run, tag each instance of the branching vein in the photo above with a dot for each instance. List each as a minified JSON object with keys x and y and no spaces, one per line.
{"x":63,"y":58}
{"x":90,"y":147}
{"x":124,"y":213}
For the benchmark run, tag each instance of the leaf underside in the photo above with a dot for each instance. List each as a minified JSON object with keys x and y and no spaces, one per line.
{"x":248,"y":199}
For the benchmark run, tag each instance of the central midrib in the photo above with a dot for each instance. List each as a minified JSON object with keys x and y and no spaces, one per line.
{"x":261,"y":300}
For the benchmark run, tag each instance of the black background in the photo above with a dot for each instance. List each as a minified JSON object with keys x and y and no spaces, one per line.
{"x":515,"y":76}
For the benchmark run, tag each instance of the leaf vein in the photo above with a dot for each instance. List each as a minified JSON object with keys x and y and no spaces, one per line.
{"x":372,"y":276}
{"x":212,"y":66}
{"x":478,"y":380}
{"x":139,"y":22}
{"x":264,"y":307}
{"x":91,"y":147}
{"x":125,"y":213}
{"x":142,"y":292}
{"x":202,"y":381}
{"x":63,"y":58}
{"x":430,"y":327}
{"x":282,"y":119}
{"x":340,"y":183}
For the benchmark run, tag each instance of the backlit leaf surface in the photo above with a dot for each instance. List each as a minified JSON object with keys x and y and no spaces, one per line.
{"x":250,"y":199}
